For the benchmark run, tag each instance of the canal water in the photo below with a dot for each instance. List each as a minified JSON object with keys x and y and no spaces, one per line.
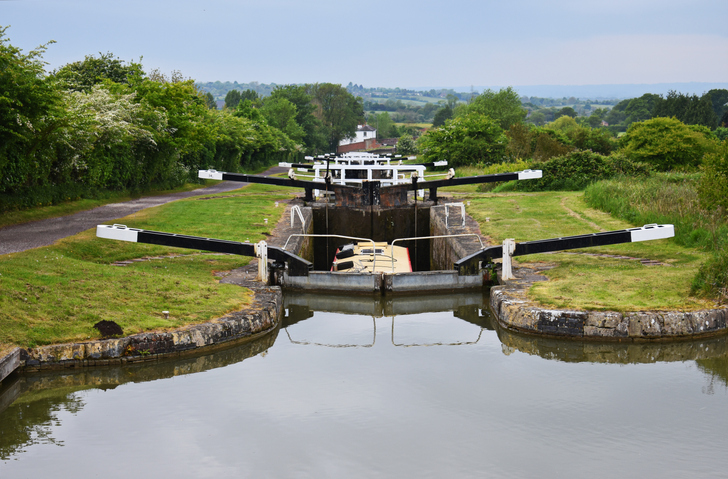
{"x":411,"y":387}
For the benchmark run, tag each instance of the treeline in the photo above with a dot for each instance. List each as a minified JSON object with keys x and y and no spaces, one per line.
{"x":219,"y":89}
{"x":709,"y":110}
{"x":492,"y":129}
{"x":102,"y":124}
{"x":668,"y":167}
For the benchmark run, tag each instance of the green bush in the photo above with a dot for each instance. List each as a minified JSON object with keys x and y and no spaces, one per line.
{"x":712,"y":278}
{"x":666,"y":144}
{"x":713,"y":186}
{"x":578,"y":169}
{"x":466,"y":140}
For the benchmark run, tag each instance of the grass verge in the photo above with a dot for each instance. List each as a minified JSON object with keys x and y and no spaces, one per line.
{"x":589,"y":279}
{"x":57,"y":293}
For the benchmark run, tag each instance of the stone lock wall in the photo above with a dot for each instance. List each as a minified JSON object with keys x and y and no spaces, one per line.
{"x":513,"y":310}
{"x":446,"y":251}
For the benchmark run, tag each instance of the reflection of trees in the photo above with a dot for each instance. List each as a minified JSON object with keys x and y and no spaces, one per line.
{"x":35,"y":400}
{"x":30,"y":421}
{"x":715,"y":368}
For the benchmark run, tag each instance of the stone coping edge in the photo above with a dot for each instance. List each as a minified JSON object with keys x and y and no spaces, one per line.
{"x":259,"y":318}
{"x":513,"y":311}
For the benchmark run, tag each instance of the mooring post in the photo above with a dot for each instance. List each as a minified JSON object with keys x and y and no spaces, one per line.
{"x":261,"y":252}
{"x":509,"y":247}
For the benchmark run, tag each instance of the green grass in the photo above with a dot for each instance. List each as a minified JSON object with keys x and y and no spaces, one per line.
{"x":55,"y":294}
{"x":663,"y":198}
{"x":583,"y":281}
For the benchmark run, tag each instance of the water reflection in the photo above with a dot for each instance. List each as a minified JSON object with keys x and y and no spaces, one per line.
{"x":415,"y":321}
{"x":425,"y":385}
{"x":615,"y":352}
{"x":30,"y":405}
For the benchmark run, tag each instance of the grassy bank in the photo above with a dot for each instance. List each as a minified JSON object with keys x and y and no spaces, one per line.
{"x":55,"y":294}
{"x":673,"y":198}
{"x":588,"y":278}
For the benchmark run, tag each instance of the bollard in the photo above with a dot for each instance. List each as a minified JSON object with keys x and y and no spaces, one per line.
{"x":509,"y":247}
{"x":261,"y":252}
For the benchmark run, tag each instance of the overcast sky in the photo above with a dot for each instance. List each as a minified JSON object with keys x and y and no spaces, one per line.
{"x":390,"y":43}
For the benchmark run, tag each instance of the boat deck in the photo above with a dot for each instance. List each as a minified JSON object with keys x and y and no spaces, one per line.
{"x":363,"y":258}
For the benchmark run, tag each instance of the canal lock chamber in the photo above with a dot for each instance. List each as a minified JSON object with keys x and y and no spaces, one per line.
{"x":432,"y":259}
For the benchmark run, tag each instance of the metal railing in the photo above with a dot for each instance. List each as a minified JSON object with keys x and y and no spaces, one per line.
{"x":374,"y":249}
{"x":447,"y":213}
{"x":297,"y":209}
{"x":433,"y":237}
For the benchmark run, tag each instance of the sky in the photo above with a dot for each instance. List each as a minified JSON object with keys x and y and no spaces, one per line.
{"x":389,"y":43}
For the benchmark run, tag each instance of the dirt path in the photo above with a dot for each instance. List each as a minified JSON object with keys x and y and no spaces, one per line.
{"x":576,"y":215}
{"x":17,"y":238}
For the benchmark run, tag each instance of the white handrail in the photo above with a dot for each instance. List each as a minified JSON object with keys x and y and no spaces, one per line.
{"x":374,"y":248}
{"x":297,"y":209}
{"x":447,"y":213}
{"x":434,"y":237}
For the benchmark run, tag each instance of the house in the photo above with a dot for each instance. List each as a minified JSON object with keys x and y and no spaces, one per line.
{"x":364,"y":139}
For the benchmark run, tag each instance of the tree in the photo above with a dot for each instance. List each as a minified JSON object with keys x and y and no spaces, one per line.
{"x":665,"y":143}
{"x":566,"y":111}
{"x":385,"y":126}
{"x":443,"y":114}
{"x":719,"y":100}
{"x":314,"y":139}
{"x":31,"y":114}
{"x":83,"y":75}
{"x":689,"y":109}
{"x":713,"y":185}
{"x":617,"y":114}
{"x":281,"y":113}
{"x":210,"y":100}
{"x":642,"y":108}
{"x":339,"y":111}
{"x":251,"y":95}
{"x":232,"y":98}
{"x":538,"y":118}
{"x":504,"y":106}
{"x":406,"y":145}
{"x":451,"y":100}
{"x":465,"y":140}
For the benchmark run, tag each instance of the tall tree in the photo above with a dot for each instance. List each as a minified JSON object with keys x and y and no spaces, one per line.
{"x":31,"y":114}
{"x":469,"y":139}
{"x":210,"y":101}
{"x":314,"y":139}
{"x":339,"y":111}
{"x":641,"y":109}
{"x":443,"y":114}
{"x":281,"y":113}
{"x":504,"y":106}
{"x":82,"y":75}
{"x":232,"y":98}
{"x":719,"y":100}
{"x":249,"y":94}
{"x":566,"y":111}
{"x":689,"y":109}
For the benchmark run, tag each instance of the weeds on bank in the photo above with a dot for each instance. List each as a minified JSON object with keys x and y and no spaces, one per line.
{"x":673,"y":198}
